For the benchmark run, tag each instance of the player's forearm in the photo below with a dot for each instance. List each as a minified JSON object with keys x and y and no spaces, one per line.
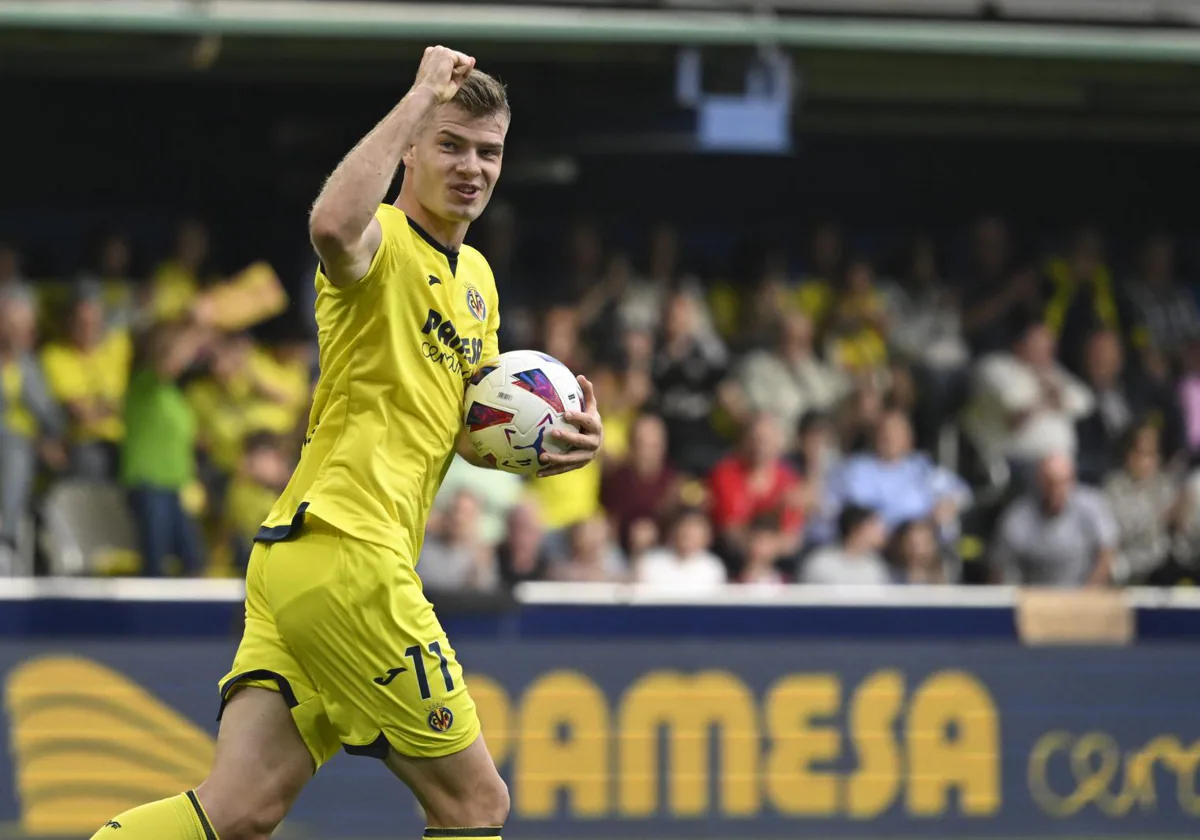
{"x":348,"y":201}
{"x":467,"y":452}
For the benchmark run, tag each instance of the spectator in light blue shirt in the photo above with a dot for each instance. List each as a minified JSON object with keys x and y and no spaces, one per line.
{"x":897,"y":483}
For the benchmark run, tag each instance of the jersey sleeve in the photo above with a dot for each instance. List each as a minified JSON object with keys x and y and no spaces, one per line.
{"x":391,"y":255}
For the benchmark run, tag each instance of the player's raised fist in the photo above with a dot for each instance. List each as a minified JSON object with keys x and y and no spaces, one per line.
{"x":443,"y":71}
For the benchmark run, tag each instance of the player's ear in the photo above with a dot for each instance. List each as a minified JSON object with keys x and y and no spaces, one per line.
{"x":409,"y":156}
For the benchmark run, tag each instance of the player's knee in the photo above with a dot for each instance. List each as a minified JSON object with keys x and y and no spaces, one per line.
{"x":490,"y":803}
{"x":498,"y":803}
{"x":253,"y":815}
{"x":483,"y":804}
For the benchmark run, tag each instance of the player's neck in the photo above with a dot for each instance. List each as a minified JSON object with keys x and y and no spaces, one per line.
{"x":449,"y":235}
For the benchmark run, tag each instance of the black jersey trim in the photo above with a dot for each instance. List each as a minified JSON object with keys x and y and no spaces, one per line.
{"x":279,"y":533}
{"x":451,"y":256}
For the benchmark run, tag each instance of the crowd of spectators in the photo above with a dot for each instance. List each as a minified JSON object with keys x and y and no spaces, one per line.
{"x":820,"y":416}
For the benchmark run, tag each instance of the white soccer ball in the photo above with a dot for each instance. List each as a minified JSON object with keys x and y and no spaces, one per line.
{"x":512,"y":404}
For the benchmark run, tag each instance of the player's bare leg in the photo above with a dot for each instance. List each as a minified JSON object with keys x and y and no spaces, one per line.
{"x":460,"y":791}
{"x":260,"y":767}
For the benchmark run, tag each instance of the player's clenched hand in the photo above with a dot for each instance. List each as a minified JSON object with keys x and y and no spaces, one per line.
{"x":443,"y":71}
{"x":585,"y":443}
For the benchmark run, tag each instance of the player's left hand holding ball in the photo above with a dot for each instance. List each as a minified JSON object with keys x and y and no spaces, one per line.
{"x":585,"y":444}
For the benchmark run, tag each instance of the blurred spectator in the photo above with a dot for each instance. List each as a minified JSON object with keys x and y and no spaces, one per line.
{"x":261,"y":477}
{"x":27,"y":414}
{"x":621,"y":394}
{"x":688,"y":373}
{"x":522,"y":556}
{"x":1058,"y":534}
{"x":856,"y":560}
{"x":644,"y":487}
{"x":453,"y":556}
{"x":500,"y":230}
{"x":816,"y":292}
{"x":816,"y":458}
{"x":762,"y":556}
{"x":591,"y":555}
{"x":915,"y":553}
{"x":497,"y":493}
{"x":560,"y":337}
{"x":220,"y":401}
{"x":1026,"y":404}
{"x":1121,"y":400}
{"x":926,"y":334}
{"x":110,"y":269}
{"x":158,"y":460}
{"x":1165,"y":315}
{"x":177,"y":281}
{"x":1147,"y":504}
{"x":898,"y":483}
{"x":280,"y":374}
{"x":856,"y":334}
{"x":88,"y":374}
{"x":994,"y":293}
{"x":756,"y":483}
{"x":790,"y":380}
{"x":685,"y":565}
{"x":923,"y":311}
{"x":1082,"y":296}
{"x":858,"y":415}
{"x":600,"y":309}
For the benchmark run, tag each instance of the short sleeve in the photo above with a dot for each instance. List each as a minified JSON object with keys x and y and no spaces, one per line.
{"x":390,"y":257}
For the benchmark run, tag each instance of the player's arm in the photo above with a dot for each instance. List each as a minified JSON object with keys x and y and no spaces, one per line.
{"x":342,"y":223}
{"x":467,"y":452}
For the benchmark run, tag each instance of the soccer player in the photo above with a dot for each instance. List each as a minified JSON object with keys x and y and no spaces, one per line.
{"x":341,"y":649}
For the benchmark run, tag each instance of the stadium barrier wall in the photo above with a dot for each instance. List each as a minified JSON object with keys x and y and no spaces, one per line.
{"x":616,"y":713}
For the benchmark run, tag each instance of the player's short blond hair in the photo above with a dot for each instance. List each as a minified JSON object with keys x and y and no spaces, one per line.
{"x":482,"y":95}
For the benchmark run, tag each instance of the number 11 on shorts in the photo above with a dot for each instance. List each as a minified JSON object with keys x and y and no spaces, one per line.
{"x":418,"y":660}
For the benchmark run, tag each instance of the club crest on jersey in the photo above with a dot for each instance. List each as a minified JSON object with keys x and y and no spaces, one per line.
{"x":441,"y":719}
{"x":475,"y":303}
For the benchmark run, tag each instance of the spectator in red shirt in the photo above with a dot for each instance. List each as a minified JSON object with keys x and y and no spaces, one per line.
{"x":755,"y":484}
{"x":644,"y":486}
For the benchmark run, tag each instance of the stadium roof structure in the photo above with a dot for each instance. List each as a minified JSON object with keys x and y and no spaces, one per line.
{"x":788,"y":23}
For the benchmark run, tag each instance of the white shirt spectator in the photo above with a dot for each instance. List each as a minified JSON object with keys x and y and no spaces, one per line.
{"x":790,"y":389}
{"x":1026,"y":414}
{"x":1036,"y":548}
{"x":700,"y":571}
{"x":925,"y":327}
{"x":833,"y":565}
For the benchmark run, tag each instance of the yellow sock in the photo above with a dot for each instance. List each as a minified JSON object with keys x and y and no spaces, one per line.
{"x":488,"y":832}
{"x":178,"y":818}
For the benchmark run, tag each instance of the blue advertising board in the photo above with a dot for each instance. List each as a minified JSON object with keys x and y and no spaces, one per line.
{"x":657,"y":737}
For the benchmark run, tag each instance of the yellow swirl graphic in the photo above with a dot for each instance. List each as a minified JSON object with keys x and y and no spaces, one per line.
{"x":89,"y":743}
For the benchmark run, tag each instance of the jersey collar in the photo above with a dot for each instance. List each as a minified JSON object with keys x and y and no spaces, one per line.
{"x":451,"y":256}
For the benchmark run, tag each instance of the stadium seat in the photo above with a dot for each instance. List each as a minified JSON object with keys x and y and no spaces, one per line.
{"x":88,"y":528}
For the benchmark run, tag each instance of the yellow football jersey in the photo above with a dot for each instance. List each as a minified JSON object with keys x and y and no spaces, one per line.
{"x":396,"y":351}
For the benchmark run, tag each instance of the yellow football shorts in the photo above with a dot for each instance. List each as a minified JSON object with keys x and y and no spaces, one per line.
{"x":341,"y":629}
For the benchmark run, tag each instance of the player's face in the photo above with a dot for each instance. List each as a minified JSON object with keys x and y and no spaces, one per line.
{"x":455,"y":162}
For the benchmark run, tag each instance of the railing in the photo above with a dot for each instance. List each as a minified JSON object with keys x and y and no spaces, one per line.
{"x":129,"y":607}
